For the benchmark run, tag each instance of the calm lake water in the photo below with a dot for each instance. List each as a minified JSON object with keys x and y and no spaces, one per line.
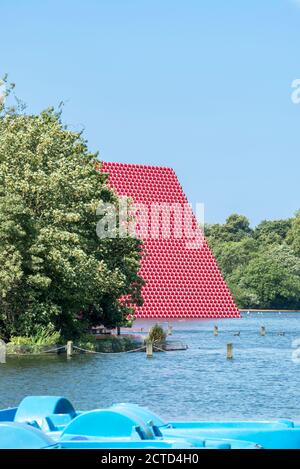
{"x":262,"y":381}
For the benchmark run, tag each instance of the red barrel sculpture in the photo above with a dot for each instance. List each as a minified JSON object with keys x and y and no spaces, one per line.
{"x":182,"y":278}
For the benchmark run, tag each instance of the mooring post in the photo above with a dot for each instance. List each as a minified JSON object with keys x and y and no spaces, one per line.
{"x":149,"y":349}
{"x":69,"y":349}
{"x":170,"y":329}
{"x":216,"y":330}
{"x":2,"y":351}
{"x":262,"y":330}
{"x":229,"y":351}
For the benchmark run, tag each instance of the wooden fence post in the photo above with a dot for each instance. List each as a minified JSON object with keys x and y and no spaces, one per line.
{"x":229,"y":351}
{"x":69,"y":349}
{"x":149,"y":349}
{"x":2,"y":351}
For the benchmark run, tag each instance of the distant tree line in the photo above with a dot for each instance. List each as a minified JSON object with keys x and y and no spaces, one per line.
{"x":261,"y":265}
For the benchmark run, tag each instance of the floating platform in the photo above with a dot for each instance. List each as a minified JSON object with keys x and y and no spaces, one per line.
{"x":172,"y":346}
{"x":52,"y":422}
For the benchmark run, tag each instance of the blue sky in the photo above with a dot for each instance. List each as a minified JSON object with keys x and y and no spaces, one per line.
{"x":203,"y":86}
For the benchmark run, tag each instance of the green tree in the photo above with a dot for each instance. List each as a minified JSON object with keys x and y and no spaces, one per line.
{"x":232,"y":255}
{"x":271,"y":279}
{"x":261,"y":266}
{"x":293,"y":235}
{"x":272,"y":231}
{"x":53,"y":267}
{"x":235,"y":228}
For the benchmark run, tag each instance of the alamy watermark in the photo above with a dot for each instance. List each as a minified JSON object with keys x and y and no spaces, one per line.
{"x":2,"y":92}
{"x":155,"y":221}
{"x":295,"y":95}
{"x":296,"y":351}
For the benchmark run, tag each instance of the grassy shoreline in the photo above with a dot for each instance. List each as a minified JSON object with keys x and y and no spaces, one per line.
{"x":111,"y":344}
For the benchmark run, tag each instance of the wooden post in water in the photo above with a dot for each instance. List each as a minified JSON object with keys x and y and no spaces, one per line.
{"x":69,"y":349}
{"x":149,"y":349}
{"x":216,"y":330}
{"x":262,"y":331}
{"x":2,"y":351}
{"x":229,"y":352}
{"x":170,"y":329}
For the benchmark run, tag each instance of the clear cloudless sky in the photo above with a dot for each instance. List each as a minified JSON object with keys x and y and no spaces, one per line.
{"x":203,"y":86}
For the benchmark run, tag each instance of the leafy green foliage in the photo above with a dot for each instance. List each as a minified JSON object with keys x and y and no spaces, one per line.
{"x":87,"y":342}
{"x":235,"y":229}
{"x":273,"y":231}
{"x":156,"y":334}
{"x":54,"y":270}
{"x":261,"y":266}
{"x":293,"y":236}
{"x":43,"y":336}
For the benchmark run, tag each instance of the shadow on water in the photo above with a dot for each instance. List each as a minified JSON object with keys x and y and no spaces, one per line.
{"x":262,"y":381}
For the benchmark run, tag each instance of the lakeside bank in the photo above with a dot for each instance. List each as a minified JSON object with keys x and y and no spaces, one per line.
{"x":106,"y":344}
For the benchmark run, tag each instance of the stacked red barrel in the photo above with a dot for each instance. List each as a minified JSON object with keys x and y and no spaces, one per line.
{"x":182,"y":277}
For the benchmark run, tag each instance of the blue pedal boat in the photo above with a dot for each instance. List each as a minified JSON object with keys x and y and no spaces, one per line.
{"x":52,"y":422}
{"x":279,"y":434}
